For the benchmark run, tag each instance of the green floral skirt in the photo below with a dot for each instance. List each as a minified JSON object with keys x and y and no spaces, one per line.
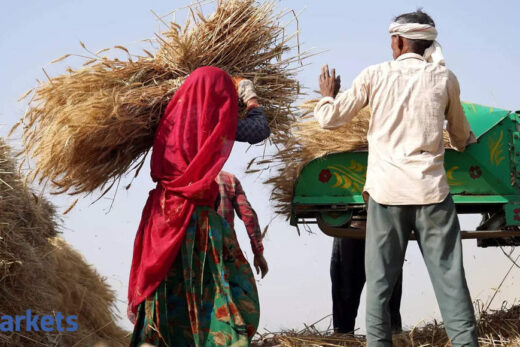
{"x":209,"y":296}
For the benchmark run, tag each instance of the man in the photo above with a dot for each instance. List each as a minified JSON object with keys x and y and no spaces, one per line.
{"x":347,"y":274}
{"x":233,"y":199}
{"x":410,"y":98}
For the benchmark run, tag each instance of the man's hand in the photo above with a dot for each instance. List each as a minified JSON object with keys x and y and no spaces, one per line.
{"x":329,"y":84}
{"x":260,"y":264}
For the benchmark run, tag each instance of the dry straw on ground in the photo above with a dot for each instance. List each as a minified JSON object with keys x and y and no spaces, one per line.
{"x":88,"y":127}
{"x":40,"y":272}
{"x":496,"y":328}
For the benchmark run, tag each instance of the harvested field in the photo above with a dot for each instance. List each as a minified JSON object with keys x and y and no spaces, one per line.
{"x":496,"y":328}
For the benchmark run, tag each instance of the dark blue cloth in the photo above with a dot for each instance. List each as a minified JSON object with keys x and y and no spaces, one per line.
{"x":254,"y":128}
{"x":347,"y":272}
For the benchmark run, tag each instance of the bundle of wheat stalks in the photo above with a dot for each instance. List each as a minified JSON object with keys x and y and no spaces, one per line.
{"x":88,"y":127}
{"x":496,"y":328}
{"x":41,"y":272}
{"x":304,"y":142}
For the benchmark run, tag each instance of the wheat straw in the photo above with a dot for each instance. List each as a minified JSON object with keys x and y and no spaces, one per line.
{"x":89,"y":127}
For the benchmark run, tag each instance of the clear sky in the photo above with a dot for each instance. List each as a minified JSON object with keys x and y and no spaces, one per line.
{"x":480,"y":41}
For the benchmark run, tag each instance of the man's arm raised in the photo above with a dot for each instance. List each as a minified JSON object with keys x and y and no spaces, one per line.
{"x":335,"y":109}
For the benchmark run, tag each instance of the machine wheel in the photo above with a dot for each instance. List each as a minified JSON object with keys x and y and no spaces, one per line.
{"x":338,"y":224}
{"x":336,"y":219}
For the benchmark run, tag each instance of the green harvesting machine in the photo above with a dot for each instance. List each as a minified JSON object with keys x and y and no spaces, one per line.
{"x":484,"y":179}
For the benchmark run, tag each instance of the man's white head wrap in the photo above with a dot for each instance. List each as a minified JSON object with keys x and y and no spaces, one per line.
{"x":415,"y":31}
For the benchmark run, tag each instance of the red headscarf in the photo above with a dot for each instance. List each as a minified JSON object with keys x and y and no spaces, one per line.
{"x":193,"y":141}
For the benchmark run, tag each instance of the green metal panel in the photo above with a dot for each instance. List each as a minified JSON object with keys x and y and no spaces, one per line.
{"x":329,"y":200}
{"x":483,"y":199}
{"x":482,"y":118}
{"x":512,"y":213}
{"x":515,"y":158}
{"x":336,"y":178}
{"x":485,"y":173}
{"x":483,"y":168}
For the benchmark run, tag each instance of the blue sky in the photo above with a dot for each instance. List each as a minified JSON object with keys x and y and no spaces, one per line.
{"x":480,"y":42}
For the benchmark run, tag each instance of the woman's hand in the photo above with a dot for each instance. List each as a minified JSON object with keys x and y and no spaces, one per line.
{"x":252,"y":103}
{"x":245,"y":89}
{"x":260,"y":264}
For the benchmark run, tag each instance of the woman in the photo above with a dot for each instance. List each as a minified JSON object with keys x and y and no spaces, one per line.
{"x":190,"y":284}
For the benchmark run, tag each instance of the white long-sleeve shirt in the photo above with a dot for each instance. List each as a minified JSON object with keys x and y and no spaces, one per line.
{"x":409,"y":100}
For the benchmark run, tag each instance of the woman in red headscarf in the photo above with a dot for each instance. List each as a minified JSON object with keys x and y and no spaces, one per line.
{"x":190,"y":284}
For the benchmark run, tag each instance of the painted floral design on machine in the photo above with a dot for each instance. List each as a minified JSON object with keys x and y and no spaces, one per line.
{"x":350,"y":177}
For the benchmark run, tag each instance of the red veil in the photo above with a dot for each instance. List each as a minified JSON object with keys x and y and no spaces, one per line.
{"x":193,"y":141}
